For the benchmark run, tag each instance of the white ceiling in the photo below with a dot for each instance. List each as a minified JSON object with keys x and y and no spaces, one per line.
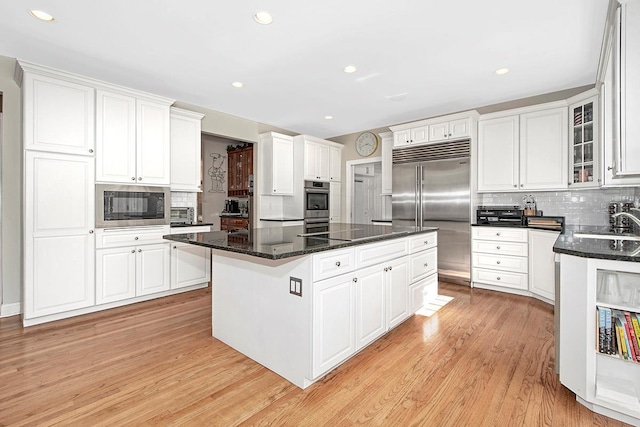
{"x":442,"y":54}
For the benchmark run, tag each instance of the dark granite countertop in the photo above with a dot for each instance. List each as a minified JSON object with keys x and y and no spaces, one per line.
{"x":234,"y":215}
{"x":196,"y":224}
{"x":283,"y":219}
{"x":284,"y":242}
{"x":614,"y":249}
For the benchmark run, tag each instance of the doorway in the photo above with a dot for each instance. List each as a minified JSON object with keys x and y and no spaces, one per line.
{"x":364,"y":191}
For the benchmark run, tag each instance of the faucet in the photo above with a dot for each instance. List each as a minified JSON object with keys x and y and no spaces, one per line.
{"x":629,"y":215}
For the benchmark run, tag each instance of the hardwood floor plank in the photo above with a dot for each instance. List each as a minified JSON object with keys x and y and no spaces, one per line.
{"x":485,"y":358}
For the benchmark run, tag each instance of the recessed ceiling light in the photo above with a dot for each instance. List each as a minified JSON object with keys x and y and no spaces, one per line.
{"x":263,"y":18}
{"x":237,"y":84}
{"x":501,"y":71}
{"x":328,"y":117}
{"x":349,"y":69}
{"x":43,"y":16}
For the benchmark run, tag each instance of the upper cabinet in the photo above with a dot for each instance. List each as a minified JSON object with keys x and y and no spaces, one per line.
{"x":240,"y":170}
{"x":526,"y":151}
{"x":452,"y":127}
{"x":59,"y":111}
{"x":620,"y":95}
{"x":322,"y":159}
{"x":186,"y":152}
{"x":584,"y":141}
{"x":276,"y":164}
{"x":132,"y":139}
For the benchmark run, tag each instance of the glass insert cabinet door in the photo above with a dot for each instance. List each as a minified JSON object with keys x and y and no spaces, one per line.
{"x":584,"y":134}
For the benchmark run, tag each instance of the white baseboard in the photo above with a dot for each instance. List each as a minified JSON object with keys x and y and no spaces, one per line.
{"x":13,"y":309}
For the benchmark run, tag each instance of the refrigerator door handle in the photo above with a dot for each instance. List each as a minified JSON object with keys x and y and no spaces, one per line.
{"x":419,"y":197}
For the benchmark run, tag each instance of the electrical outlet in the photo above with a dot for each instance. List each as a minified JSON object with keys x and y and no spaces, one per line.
{"x":295,"y":286}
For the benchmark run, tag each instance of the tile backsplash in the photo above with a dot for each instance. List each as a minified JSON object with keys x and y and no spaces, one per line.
{"x":181,"y":199}
{"x":583,"y":207}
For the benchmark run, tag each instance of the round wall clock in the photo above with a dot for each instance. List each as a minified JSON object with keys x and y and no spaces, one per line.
{"x":367,"y":144}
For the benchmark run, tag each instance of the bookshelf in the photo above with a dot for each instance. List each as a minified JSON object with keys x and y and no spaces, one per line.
{"x":605,"y":383}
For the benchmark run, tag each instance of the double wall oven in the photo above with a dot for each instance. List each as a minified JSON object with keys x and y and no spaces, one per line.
{"x":316,"y":206}
{"x":132,"y":205}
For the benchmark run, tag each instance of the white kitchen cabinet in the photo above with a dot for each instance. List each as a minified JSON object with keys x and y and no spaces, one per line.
{"x":316,"y":161}
{"x":276,"y":164}
{"x":333,"y":335}
{"x":422,"y":292}
{"x":190,"y":265}
{"x":397,"y":301}
{"x":58,"y":111}
{"x":335,"y":163}
{"x":584,"y":137}
{"x":499,"y":259}
{"x":335,"y":201}
{"x":152,"y":268}
{"x":186,"y":150}
{"x":498,"y":154}
{"x":59,"y":239}
{"x":115,"y":274}
{"x":542,"y":277}
{"x":603,"y":383}
{"x":133,"y":139}
{"x":544,"y":149}
{"x":413,"y":135}
{"x":523,"y":151}
{"x":387,"y":163}
{"x":423,"y":264}
{"x":370,"y":305}
{"x":453,"y":129}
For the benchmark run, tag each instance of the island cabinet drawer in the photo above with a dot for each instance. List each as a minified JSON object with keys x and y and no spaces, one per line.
{"x":501,"y":278}
{"x":500,"y":233}
{"x":501,"y":262}
{"x":375,"y":253}
{"x":500,"y":248}
{"x":191,"y":229}
{"x":422,"y":292}
{"x":333,"y":263}
{"x":113,"y":238}
{"x":422,"y":242}
{"x":423,"y":264}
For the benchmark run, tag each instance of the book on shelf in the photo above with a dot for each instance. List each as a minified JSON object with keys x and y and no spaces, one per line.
{"x":624,"y":351}
{"x":632,"y":336}
{"x":636,"y":325}
{"x":600,"y":316}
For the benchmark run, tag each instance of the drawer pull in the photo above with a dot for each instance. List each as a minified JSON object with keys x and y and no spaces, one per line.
{"x":135,"y":238}
{"x":497,"y":262}
{"x":337,"y":263}
{"x":497,"y":234}
{"x":498,"y":277}
{"x":426,"y":264}
{"x":355,"y":279}
{"x":497,"y":247}
{"x":426,"y":242}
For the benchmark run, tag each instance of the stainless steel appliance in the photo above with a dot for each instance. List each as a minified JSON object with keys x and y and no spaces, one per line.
{"x":500,"y":215}
{"x":132,"y":205}
{"x":316,"y":200}
{"x":180,"y":215}
{"x":431,"y":188}
{"x":316,"y":225}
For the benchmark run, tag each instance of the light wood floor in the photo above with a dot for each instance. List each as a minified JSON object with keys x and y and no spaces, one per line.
{"x":484,"y":359}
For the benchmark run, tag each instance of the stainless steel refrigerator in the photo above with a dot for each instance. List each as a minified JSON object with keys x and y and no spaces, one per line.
{"x":431,"y":188}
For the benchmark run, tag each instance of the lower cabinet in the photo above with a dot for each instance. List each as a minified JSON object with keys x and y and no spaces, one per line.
{"x":542,"y":279}
{"x":354,"y":303}
{"x":190,"y":265}
{"x":131,"y":271}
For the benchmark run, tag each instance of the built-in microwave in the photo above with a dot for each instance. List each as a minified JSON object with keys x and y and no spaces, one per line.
{"x":132,"y":205}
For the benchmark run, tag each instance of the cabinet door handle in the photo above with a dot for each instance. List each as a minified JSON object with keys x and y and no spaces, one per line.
{"x":337,"y":263}
{"x":609,"y":168}
{"x":133,"y":251}
{"x":515,"y":186}
{"x":90,"y":231}
{"x":139,"y":250}
{"x":497,"y":247}
{"x":135,"y":238}
{"x":133,"y":178}
{"x":90,"y":150}
{"x":390,"y":268}
{"x":139,"y":178}
{"x":175,"y":247}
{"x":386,"y":269}
{"x":426,"y":264}
{"x":355,"y":279}
{"x":498,"y":278}
{"x":497,"y":262}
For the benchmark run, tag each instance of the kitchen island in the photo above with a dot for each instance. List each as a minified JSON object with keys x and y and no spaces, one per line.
{"x":302,"y":303}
